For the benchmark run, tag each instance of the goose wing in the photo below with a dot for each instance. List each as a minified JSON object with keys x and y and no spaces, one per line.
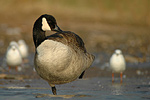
{"x":68,"y":38}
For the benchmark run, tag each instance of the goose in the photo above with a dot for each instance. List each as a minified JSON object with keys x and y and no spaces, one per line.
{"x":61,"y":57}
{"x":13,"y":56}
{"x":117,"y":64}
{"x":23,"y":49}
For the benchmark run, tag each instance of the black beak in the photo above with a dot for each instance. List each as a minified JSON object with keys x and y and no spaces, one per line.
{"x":57,"y":29}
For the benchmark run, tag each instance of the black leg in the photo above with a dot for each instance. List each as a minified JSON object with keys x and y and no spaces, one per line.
{"x":81,"y":76}
{"x":54,"y":90}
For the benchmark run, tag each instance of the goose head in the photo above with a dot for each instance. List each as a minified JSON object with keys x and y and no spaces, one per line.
{"x":42,"y":24}
{"x":47,"y":23}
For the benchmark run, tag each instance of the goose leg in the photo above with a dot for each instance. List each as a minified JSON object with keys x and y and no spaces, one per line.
{"x":53,"y":89}
{"x":112,"y":77}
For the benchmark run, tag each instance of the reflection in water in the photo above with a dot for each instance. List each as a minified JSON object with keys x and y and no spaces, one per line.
{"x":117,"y":89}
{"x":61,"y":96}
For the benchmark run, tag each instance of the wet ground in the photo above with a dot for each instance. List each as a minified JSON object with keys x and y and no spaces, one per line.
{"x":96,"y":84}
{"x":86,"y":89}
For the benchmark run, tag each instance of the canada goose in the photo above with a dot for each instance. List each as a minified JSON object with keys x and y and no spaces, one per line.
{"x":61,"y":57}
{"x":117,"y":64}
{"x":13,"y":56}
{"x":23,"y":49}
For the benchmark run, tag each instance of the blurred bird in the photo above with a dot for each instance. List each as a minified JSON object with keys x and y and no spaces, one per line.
{"x":13,"y":43}
{"x":23,"y":49}
{"x":117,"y":64}
{"x":61,"y":57}
{"x":13,"y":56}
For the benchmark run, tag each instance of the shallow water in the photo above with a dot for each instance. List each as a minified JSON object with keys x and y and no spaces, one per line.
{"x":26,"y":85}
{"x":99,"y":86}
{"x":86,"y":89}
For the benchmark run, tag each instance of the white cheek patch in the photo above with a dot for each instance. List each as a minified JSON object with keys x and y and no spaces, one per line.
{"x":45,"y":26}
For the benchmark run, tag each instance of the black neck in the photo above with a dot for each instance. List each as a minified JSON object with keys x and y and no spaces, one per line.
{"x":38,"y":33}
{"x":38,"y":36}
